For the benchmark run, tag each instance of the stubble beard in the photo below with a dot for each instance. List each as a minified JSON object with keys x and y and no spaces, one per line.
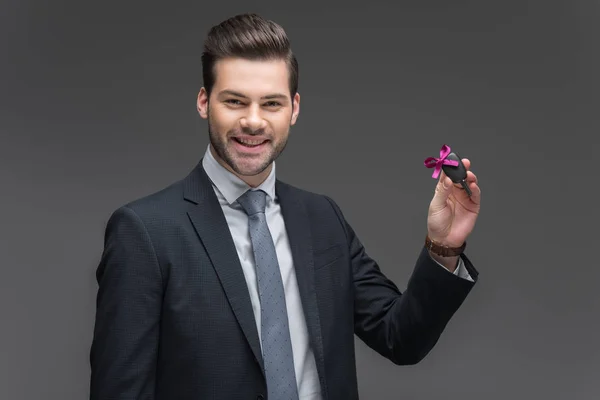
{"x":243,"y":166}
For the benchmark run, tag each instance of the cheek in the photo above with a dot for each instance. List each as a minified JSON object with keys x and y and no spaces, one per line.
{"x":281,"y":124}
{"x":222,"y":121}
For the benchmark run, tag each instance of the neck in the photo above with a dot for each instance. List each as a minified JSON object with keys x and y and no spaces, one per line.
{"x":251,"y":180}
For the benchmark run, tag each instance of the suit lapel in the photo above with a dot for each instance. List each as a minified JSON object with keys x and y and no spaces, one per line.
{"x":209,"y":222}
{"x":299,"y":234}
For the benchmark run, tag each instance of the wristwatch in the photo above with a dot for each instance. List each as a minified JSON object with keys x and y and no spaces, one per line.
{"x":444,"y":251}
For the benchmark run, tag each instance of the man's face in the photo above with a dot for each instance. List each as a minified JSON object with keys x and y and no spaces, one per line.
{"x":249,"y":114}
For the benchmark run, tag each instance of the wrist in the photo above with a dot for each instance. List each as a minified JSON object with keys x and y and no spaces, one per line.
{"x":439,"y":248}
{"x":450,"y":263}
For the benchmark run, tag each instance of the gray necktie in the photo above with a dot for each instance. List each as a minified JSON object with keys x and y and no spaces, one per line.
{"x":275,"y":333}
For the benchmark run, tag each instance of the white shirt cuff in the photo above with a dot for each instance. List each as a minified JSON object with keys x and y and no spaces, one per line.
{"x":460,"y":271}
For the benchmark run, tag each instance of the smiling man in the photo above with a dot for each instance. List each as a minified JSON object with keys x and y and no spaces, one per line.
{"x":231,"y":284}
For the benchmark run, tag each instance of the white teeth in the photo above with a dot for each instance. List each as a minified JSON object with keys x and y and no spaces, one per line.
{"x":250,"y":142}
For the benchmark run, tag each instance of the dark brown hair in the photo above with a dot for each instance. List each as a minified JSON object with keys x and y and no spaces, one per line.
{"x":251,"y":37}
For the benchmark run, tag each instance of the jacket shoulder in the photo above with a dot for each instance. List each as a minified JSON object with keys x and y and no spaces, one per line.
{"x":315,"y":203}
{"x":153,"y":207}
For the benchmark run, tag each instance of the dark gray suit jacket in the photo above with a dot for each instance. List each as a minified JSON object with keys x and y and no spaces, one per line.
{"x":174,"y":319}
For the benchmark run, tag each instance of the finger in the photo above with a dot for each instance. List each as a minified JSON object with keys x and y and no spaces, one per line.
{"x":475,"y":193}
{"x":471,"y":177}
{"x":443,"y":181}
{"x":442,"y":191}
{"x":444,"y":184}
{"x":442,"y":176}
{"x":467,"y":163}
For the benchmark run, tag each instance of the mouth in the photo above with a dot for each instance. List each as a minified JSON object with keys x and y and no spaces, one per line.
{"x":247,"y":144}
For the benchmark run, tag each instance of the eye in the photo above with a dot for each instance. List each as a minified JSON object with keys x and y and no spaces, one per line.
{"x":273,"y":104}
{"x":234,"y":102}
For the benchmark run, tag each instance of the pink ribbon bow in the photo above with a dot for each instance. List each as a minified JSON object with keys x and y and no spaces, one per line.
{"x":432,"y":162}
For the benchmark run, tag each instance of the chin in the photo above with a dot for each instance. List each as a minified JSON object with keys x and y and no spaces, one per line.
{"x":249,"y":164}
{"x":245,"y":168}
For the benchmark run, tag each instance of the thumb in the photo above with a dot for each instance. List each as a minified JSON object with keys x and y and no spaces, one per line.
{"x":442,"y":191}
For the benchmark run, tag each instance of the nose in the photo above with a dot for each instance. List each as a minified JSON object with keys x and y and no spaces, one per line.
{"x":253,"y":119}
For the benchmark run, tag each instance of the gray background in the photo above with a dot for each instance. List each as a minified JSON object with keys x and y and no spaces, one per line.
{"x":97,"y":107}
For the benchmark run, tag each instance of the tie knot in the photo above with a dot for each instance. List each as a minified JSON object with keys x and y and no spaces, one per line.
{"x":253,"y":201}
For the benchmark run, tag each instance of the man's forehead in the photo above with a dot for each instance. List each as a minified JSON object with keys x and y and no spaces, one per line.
{"x":251,"y":73}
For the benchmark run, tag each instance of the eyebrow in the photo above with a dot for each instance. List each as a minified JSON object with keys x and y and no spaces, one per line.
{"x":267,"y":97}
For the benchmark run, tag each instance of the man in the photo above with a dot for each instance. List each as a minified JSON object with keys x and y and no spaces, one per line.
{"x":230,"y":284}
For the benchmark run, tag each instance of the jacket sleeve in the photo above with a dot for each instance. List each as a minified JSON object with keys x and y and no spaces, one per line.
{"x":128,"y":305}
{"x":403,"y":327}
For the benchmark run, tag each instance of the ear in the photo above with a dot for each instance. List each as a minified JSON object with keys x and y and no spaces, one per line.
{"x":296,"y":109}
{"x":202,"y":103}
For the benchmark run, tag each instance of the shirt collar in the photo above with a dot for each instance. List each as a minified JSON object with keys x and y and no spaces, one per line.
{"x":230,"y":185}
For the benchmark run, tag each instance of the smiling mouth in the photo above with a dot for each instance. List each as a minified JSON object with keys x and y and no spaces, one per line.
{"x":250,"y":143}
